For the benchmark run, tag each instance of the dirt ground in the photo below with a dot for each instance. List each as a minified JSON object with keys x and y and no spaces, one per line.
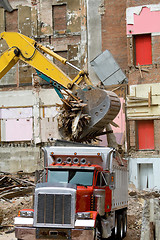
{"x":134,"y":217}
{"x":11,"y":208}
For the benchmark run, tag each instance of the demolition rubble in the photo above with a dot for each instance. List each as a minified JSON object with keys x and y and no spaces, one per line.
{"x":15,"y":193}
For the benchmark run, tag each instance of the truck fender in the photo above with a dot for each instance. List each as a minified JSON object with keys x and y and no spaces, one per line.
{"x":88,"y":222}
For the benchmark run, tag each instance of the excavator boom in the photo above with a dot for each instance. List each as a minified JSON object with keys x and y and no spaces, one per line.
{"x":88,"y":110}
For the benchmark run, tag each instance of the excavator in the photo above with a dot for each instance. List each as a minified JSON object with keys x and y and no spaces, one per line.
{"x":87,"y":109}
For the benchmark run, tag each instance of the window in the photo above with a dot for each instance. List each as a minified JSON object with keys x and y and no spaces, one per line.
{"x":78,"y":177}
{"x":11,"y":21}
{"x":59,"y":17}
{"x":145,"y":176}
{"x":143,"y":49}
{"x":101,"y":181}
{"x":145,"y":134}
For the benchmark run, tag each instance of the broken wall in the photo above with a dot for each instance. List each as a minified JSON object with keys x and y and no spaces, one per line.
{"x":17,"y":157}
{"x":142,"y":105}
{"x":69,"y":28}
{"x":137,"y":19}
{"x":28,"y":112}
{"x":27,"y":121}
{"x":61,"y":25}
{"x":143,"y":97}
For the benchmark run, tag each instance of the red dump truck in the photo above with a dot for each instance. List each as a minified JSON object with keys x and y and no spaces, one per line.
{"x":84,"y":195}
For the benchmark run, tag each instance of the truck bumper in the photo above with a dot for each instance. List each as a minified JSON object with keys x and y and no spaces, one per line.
{"x":25,"y":233}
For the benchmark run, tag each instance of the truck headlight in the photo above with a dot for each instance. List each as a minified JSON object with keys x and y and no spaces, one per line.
{"x":26,"y":213}
{"x":84,"y":215}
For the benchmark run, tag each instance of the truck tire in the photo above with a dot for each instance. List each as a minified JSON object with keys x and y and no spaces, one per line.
{"x":124,"y":218}
{"x":97,"y":231}
{"x":119,"y":227}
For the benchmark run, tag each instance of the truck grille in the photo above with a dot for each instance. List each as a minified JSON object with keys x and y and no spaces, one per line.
{"x":54,"y":209}
{"x":54,"y":206}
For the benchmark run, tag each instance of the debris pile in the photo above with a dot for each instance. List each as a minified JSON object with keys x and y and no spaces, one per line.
{"x":138,"y":212}
{"x":15,"y":194}
{"x":13,"y":187}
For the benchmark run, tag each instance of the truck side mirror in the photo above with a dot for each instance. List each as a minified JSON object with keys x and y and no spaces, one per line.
{"x":112,"y":181}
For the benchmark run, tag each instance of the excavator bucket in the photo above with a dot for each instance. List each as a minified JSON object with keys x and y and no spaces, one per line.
{"x":6,"y":5}
{"x":85,"y":116}
{"x":102,"y":106}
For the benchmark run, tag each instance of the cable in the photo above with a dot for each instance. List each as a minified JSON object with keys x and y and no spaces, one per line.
{"x":26,"y":58}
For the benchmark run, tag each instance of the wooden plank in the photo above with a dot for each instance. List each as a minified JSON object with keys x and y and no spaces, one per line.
{"x":140,"y":70}
{"x":150,"y":97}
{"x":142,"y":105}
{"x":137,"y":98}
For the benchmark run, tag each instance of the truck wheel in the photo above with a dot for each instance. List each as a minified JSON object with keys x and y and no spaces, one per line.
{"x":119,"y":227}
{"x":124,"y":218}
{"x":115,"y":229}
{"x":97,"y":231}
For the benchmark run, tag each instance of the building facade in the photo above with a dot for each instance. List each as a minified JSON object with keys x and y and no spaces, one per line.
{"x":80,"y":30}
{"x":143,"y":109}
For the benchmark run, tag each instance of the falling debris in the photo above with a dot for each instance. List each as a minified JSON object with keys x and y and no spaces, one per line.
{"x":71,"y":119}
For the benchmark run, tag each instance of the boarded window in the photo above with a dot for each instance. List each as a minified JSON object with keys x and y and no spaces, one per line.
{"x":145,"y":134}
{"x":146,"y":180}
{"x":143,"y":49}
{"x":59,"y":17}
{"x":11,"y":21}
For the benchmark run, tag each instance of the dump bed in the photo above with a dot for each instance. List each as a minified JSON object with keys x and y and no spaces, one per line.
{"x":97,"y":155}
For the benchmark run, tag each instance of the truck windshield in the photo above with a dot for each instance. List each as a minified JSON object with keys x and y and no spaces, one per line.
{"x":78,"y":177}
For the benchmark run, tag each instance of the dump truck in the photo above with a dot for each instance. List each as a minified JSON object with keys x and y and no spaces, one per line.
{"x":87,"y":109}
{"x":83,"y":195}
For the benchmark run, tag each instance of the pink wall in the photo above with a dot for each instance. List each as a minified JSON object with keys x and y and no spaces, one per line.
{"x":120,"y":131}
{"x":146,"y":22}
{"x":18,"y":130}
{"x":16,"y":124}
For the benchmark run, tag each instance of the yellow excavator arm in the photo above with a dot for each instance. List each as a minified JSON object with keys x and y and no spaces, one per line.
{"x":26,"y":49}
{"x":88,"y":110}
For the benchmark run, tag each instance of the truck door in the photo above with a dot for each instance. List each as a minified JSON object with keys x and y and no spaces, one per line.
{"x":103,"y":188}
